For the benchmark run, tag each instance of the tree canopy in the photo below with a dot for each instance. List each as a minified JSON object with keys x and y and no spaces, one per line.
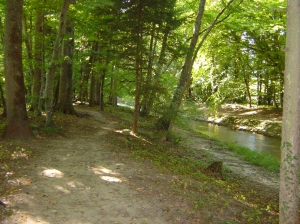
{"x":135,"y":50}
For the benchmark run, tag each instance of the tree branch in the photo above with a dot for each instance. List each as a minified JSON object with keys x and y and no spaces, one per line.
{"x":214,"y":23}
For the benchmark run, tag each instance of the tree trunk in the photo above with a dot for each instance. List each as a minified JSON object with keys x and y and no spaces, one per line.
{"x":289,"y":170}
{"x":17,"y":125}
{"x":38,"y":61}
{"x":64,"y":103}
{"x":101,"y":94}
{"x":92,"y":74}
{"x":55,"y":57}
{"x":28,"y":45}
{"x":248,"y":91}
{"x":97,"y":95}
{"x":3,"y":100}
{"x":138,"y":67}
{"x":185,"y":76}
{"x":159,"y":72}
{"x":85,"y":75}
{"x":144,"y":111}
{"x":102,"y":83}
{"x":113,"y":97}
{"x":92,"y":90}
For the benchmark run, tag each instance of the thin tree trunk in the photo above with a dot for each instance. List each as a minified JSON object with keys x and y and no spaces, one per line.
{"x":55,"y":57}
{"x":85,"y":76}
{"x":92,"y":74}
{"x":138,"y":68}
{"x":38,"y":61}
{"x":289,"y":169}
{"x":159,"y":72}
{"x":101,"y":95}
{"x":28,"y":46}
{"x":102,"y":83}
{"x":92,"y":90}
{"x":248,"y":92}
{"x":97,"y":95}
{"x":185,"y":76}
{"x":147,"y":86}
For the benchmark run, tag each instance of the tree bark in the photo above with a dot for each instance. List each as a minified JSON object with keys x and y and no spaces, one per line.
{"x":64,"y":103}
{"x":289,"y":170}
{"x":17,"y":125}
{"x":55,"y":57}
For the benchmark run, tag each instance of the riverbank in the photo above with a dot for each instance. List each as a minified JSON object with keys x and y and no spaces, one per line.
{"x":265,"y":121}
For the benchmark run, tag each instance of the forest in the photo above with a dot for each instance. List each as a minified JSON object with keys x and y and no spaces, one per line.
{"x":155,"y":56}
{"x":110,"y":50}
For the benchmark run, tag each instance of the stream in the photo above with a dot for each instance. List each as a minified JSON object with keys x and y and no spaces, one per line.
{"x":258,"y":142}
{"x":253,"y":141}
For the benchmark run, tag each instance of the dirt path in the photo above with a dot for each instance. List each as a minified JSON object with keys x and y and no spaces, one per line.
{"x":80,"y":179}
{"x":89,"y":177}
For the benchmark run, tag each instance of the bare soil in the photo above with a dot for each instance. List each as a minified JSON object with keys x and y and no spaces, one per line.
{"x":89,"y":175}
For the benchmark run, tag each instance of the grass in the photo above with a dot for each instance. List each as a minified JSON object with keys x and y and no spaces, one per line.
{"x":254,"y":157}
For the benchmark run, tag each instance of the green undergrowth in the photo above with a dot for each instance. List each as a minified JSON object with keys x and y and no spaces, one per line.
{"x":177,"y":160}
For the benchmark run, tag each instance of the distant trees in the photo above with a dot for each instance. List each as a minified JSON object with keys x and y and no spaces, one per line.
{"x":244,"y":57}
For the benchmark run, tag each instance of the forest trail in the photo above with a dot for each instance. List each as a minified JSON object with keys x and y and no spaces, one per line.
{"x":81,"y":179}
{"x":88,"y":176}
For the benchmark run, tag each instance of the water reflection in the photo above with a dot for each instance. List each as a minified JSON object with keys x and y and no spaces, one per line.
{"x":257,"y":142}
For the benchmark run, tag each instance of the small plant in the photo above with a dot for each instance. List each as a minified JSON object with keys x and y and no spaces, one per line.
{"x":51,"y":131}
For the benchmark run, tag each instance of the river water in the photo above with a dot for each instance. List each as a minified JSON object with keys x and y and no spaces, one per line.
{"x":258,"y":142}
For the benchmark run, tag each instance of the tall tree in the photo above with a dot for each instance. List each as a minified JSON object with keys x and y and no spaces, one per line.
{"x":64,"y":103}
{"x":53,"y":64}
{"x":17,"y":125}
{"x":38,"y":56}
{"x":192,"y":52}
{"x":185,"y":77}
{"x":138,"y":64}
{"x":289,"y":170}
